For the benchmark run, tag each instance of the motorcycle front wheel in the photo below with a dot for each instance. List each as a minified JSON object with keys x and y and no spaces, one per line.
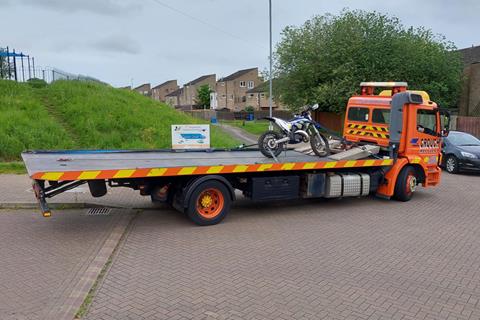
{"x":268,"y":144}
{"x":320,"y":145}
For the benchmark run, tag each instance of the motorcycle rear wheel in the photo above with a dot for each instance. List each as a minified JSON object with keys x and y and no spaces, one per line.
{"x":267,"y":144}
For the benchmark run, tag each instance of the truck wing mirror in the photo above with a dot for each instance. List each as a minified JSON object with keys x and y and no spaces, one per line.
{"x":444,"y":121}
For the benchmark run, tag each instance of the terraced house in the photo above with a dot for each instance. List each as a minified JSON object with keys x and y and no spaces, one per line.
{"x":160,"y":92}
{"x":231,"y":91}
{"x":185,"y":98}
{"x":258,"y":98}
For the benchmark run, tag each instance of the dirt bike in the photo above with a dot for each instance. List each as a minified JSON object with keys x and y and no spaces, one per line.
{"x":301,"y":129}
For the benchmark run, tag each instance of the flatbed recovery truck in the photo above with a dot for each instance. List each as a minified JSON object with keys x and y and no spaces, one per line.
{"x":405,"y":125}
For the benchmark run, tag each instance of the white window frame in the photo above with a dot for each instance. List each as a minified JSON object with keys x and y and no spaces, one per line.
{"x":243,"y":84}
{"x":251,"y":84}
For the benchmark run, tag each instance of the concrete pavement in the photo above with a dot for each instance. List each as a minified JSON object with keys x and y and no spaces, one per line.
{"x":49,"y":265}
{"x":239,"y":134}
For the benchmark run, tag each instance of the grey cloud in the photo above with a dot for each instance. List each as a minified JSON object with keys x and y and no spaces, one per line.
{"x":117,"y":43}
{"x":104,"y":7}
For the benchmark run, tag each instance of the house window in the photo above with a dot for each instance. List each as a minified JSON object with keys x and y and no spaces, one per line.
{"x":251,"y":84}
{"x":242,"y":84}
{"x":250,"y":95}
{"x":262,"y":95}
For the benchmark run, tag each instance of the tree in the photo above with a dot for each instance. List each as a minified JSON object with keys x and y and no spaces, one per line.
{"x":4,"y":71}
{"x":324,"y":60}
{"x":203,"y":96}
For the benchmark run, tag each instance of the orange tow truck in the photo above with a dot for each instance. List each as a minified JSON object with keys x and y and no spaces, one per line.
{"x":403,"y":126}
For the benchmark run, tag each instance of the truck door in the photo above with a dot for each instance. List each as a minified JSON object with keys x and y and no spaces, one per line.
{"x":424,"y":141}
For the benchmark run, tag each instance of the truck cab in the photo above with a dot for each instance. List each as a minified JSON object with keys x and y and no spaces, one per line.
{"x":406,"y":125}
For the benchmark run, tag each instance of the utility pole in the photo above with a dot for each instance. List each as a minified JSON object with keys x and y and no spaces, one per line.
{"x":271,"y":62}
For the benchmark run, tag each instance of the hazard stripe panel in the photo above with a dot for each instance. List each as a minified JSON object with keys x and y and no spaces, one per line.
{"x":369,"y":134}
{"x":367,"y":127}
{"x":201,"y":170}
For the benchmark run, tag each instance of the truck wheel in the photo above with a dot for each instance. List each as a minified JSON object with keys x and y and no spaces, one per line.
{"x":267,"y":142}
{"x":406,"y":184}
{"x":451,"y":164}
{"x":209,"y":203}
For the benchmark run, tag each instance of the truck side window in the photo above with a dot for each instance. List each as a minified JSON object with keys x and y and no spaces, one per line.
{"x":381,"y":116}
{"x":427,"y":121}
{"x":358,"y":114}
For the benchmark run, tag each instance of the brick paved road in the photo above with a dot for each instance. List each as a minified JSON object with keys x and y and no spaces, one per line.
{"x":347,"y":259}
{"x":42,"y":259}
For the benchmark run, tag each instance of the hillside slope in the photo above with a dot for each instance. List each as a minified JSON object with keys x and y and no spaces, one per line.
{"x":85,"y":115}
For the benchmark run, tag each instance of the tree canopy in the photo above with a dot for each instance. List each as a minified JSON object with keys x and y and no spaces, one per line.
{"x":324,"y":60}
{"x":203,"y":96}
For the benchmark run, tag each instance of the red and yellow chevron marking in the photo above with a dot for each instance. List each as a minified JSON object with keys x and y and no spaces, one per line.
{"x":204,"y":170}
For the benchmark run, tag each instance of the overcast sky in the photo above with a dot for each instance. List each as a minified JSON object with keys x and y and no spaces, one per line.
{"x":124,"y":41}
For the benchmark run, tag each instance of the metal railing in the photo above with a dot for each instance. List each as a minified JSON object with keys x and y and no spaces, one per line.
{"x":21,"y":67}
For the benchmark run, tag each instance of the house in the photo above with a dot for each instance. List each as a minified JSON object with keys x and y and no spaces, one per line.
{"x":185,"y":98}
{"x":231,"y":91}
{"x":469,"y":104}
{"x":189,"y":97}
{"x":173,"y":98}
{"x":160,"y":91}
{"x":144,"y":89}
{"x":258,"y":98}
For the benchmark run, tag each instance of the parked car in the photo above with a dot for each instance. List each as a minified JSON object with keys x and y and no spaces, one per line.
{"x":461,"y":151}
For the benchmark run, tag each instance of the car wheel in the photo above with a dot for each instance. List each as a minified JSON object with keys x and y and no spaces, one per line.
{"x":451,"y":164}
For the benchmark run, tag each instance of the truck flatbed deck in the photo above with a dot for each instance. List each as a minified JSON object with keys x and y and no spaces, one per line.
{"x":117,"y":164}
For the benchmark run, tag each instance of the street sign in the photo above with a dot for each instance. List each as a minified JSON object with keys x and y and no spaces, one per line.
{"x":190,"y":136}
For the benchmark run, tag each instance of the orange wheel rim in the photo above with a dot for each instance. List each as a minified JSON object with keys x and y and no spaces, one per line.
{"x":210,"y":203}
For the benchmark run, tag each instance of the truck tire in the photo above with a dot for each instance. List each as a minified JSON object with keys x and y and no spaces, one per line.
{"x":209,"y":203}
{"x":406,"y":184}
{"x":265,"y":141}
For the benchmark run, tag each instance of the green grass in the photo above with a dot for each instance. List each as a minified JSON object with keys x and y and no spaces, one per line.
{"x":86,"y":115}
{"x":25,"y":123}
{"x":256,"y":127}
{"x":12,"y":167}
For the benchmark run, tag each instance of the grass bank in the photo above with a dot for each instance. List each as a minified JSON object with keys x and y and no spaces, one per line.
{"x":86,"y":115}
{"x":12,"y":168}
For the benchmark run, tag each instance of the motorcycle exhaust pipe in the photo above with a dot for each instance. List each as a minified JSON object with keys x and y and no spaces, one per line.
{"x":305,"y":135}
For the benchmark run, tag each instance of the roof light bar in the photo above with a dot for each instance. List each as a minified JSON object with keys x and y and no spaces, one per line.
{"x":384,"y":84}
